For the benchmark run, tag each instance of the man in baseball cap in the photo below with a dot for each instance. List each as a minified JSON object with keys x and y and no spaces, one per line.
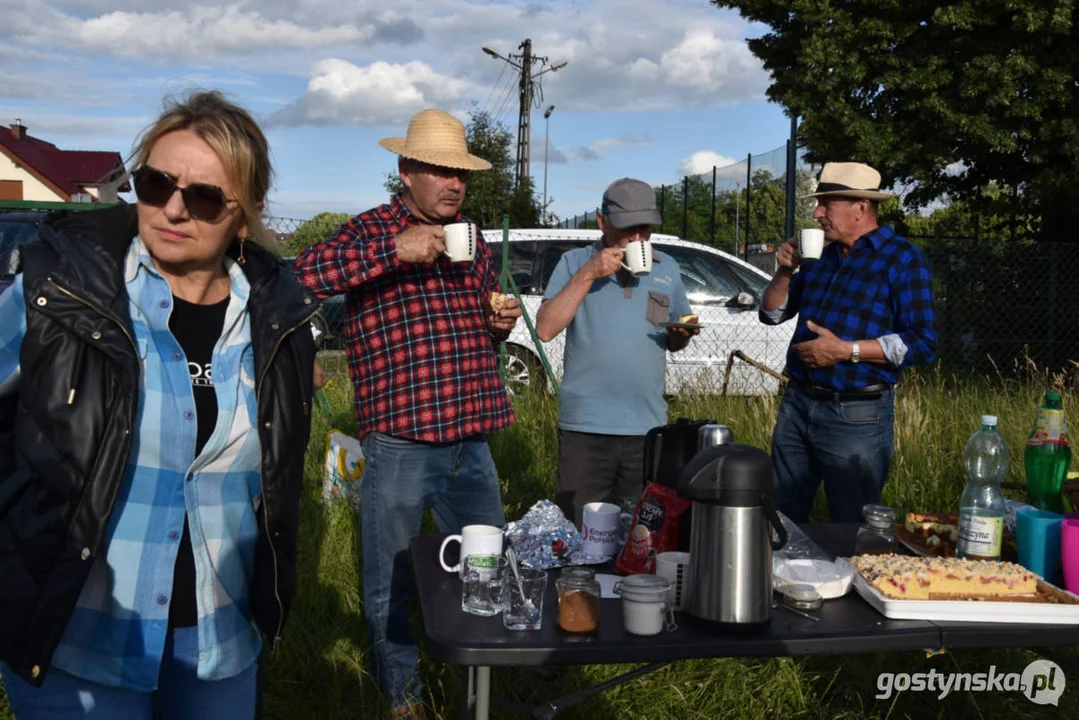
{"x":617,"y":338}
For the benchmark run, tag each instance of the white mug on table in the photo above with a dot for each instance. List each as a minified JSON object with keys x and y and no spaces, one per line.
{"x":600,"y":525}
{"x":474,"y":540}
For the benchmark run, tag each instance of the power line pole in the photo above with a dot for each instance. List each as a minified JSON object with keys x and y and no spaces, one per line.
{"x":524,"y":126}
{"x":523,"y":63}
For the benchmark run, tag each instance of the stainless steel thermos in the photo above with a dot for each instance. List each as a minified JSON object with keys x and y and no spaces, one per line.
{"x":731,"y":545}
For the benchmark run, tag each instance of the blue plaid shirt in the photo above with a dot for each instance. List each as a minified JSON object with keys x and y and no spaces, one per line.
{"x":116,"y":634}
{"x":882,"y":290}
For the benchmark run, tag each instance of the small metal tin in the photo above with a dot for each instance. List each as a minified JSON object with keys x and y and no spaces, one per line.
{"x":801,"y":597}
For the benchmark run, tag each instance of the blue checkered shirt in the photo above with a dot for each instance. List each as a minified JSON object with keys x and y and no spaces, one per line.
{"x":116,"y":634}
{"x":882,"y":290}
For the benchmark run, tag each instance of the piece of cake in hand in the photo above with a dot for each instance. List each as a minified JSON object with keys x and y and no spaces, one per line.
{"x":498,"y":302}
{"x":691,"y":319}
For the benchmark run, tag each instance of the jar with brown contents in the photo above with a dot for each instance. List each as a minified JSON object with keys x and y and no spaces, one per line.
{"x":578,"y":600}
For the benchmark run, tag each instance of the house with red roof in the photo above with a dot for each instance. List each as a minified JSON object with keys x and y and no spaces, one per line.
{"x":32,"y":169}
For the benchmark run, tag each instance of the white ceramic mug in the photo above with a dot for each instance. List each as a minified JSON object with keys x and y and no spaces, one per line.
{"x":638,"y":257}
{"x":475,"y":540}
{"x":674,"y":567}
{"x":600,"y":526}
{"x":810,"y":243}
{"x":460,"y":241}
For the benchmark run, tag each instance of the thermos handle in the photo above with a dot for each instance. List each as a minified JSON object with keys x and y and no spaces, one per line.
{"x":773,"y":518}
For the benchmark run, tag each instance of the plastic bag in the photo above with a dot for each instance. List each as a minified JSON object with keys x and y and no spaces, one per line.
{"x":343,"y":469}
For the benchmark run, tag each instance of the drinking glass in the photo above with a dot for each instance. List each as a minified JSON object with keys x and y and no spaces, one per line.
{"x":523,"y":612}
{"x":481,"y":587}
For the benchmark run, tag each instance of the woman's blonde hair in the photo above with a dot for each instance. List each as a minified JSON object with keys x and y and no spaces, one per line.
{"x":236,"y":138}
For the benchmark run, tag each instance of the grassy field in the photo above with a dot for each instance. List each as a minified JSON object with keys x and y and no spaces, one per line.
{"x":319,"y":671}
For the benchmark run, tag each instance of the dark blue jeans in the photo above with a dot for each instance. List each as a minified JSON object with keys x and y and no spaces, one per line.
{"x":180,"y":695}
{"x":846,"y":444}
{"x":402,"y":479}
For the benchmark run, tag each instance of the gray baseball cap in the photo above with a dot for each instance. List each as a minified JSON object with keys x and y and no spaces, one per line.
{"x":628,"y":203}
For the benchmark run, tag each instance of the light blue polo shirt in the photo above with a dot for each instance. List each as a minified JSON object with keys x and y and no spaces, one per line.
{"x":615,"y":361}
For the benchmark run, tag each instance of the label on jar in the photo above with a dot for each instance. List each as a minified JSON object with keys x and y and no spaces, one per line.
{"x":980,"y":536}
{"x":1050,"y":428}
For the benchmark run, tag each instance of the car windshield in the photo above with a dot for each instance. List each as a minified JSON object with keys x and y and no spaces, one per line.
{"x":15,"y":232}
{"x":756,"y":283}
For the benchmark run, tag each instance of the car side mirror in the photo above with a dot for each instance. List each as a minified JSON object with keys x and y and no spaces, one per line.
{"x":742,"y":301}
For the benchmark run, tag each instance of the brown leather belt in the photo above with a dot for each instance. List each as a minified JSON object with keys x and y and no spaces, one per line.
{"x":819,"y":392}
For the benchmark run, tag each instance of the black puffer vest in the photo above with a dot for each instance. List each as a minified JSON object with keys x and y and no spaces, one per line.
{"x":64,"y":442}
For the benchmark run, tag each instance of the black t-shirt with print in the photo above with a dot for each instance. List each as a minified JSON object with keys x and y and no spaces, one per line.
{"x":197,"y":328}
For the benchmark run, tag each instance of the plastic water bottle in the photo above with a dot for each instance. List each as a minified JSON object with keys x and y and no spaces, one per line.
{"x":1048,"y":455}
{"x":981,"y":507}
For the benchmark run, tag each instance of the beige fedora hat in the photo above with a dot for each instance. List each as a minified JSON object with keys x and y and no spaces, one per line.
{"x":848,"y":179}
{"x":436,"y":138}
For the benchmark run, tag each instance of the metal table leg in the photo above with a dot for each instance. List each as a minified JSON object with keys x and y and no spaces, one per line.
{"x":468,"y":699}
{"x":483,"y":692}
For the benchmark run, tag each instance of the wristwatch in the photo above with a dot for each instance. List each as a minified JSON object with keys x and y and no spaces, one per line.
{"x":855,"y":352}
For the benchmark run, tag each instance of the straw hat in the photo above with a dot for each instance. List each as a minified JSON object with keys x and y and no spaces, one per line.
{"x":436,"y":138}
{"x":847,"y":179}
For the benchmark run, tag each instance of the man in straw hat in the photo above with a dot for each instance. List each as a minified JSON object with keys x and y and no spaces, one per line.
{"x":421,"y":333}
{"x":865,"y":312}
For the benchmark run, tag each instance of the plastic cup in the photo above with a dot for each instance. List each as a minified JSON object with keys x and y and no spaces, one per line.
{"x":1069,"y":553}
{"x":1038,"y":540}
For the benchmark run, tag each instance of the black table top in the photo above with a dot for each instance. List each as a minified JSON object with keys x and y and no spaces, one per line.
{"x":846,"y":625}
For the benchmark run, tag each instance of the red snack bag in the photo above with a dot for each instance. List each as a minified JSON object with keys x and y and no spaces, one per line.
{"x":654,"y":529}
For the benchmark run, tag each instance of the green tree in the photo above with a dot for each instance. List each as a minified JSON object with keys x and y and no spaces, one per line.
{"x":315,"y":230}
{"x":491,"y":193}
{"x":946,"y":98}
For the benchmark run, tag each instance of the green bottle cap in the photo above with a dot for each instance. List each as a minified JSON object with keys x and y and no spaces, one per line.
{"x":1052,"y":396}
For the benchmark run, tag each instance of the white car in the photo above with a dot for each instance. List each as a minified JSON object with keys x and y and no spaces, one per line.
{"x":725,"y":291}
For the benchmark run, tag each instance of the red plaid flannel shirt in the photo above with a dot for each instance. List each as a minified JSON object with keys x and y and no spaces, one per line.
{"x":422,"y":359}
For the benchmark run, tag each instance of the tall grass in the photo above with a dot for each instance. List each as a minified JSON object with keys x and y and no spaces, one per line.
{"x":320,"y":669}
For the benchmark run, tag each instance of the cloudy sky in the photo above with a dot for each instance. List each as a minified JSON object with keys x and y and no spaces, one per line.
{"x":652,"y":88}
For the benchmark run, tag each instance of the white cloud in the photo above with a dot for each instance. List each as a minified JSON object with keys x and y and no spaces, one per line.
{"x":703,"y":161}
{"x":379,"y":94}
{"x":598,"y":148}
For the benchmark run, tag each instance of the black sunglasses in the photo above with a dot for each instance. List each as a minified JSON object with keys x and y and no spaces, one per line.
{"x":203,"y":202}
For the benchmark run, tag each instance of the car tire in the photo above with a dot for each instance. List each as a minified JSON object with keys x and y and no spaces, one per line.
{"x":524,"y":372}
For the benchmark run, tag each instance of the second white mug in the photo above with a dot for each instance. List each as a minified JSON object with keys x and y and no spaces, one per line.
{"x":600,"y":525}
{"x":460,"y":241}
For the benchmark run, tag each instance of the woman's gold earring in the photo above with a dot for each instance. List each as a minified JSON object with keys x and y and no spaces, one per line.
{"x":241,"y":259}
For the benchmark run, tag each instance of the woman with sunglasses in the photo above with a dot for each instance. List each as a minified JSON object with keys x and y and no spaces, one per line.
{"x":151,"y":475}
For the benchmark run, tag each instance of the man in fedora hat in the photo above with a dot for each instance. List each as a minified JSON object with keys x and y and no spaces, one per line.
{"x":865,"y":312}
{"x":616,"y":350}
{"x":421,"y":333}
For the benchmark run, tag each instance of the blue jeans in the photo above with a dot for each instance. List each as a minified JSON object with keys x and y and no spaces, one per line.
{"x":180,"y":695}
{"x":847,"y":444}
{"x":401,"y":480}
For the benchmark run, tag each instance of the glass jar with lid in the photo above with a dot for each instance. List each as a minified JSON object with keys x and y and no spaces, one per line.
{"x":876,"y":536}
{"x":578,"y":600}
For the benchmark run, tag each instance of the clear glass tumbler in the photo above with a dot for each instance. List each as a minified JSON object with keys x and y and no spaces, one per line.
{"x":523,"y":611}
{"x":481,"y":588}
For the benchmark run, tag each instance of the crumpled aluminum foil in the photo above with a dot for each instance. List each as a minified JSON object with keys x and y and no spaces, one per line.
{"x":544,"y":538}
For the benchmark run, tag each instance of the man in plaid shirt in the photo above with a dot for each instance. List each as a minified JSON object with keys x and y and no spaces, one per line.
{"x":865,"y":312}
{"x":420,"y":335}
